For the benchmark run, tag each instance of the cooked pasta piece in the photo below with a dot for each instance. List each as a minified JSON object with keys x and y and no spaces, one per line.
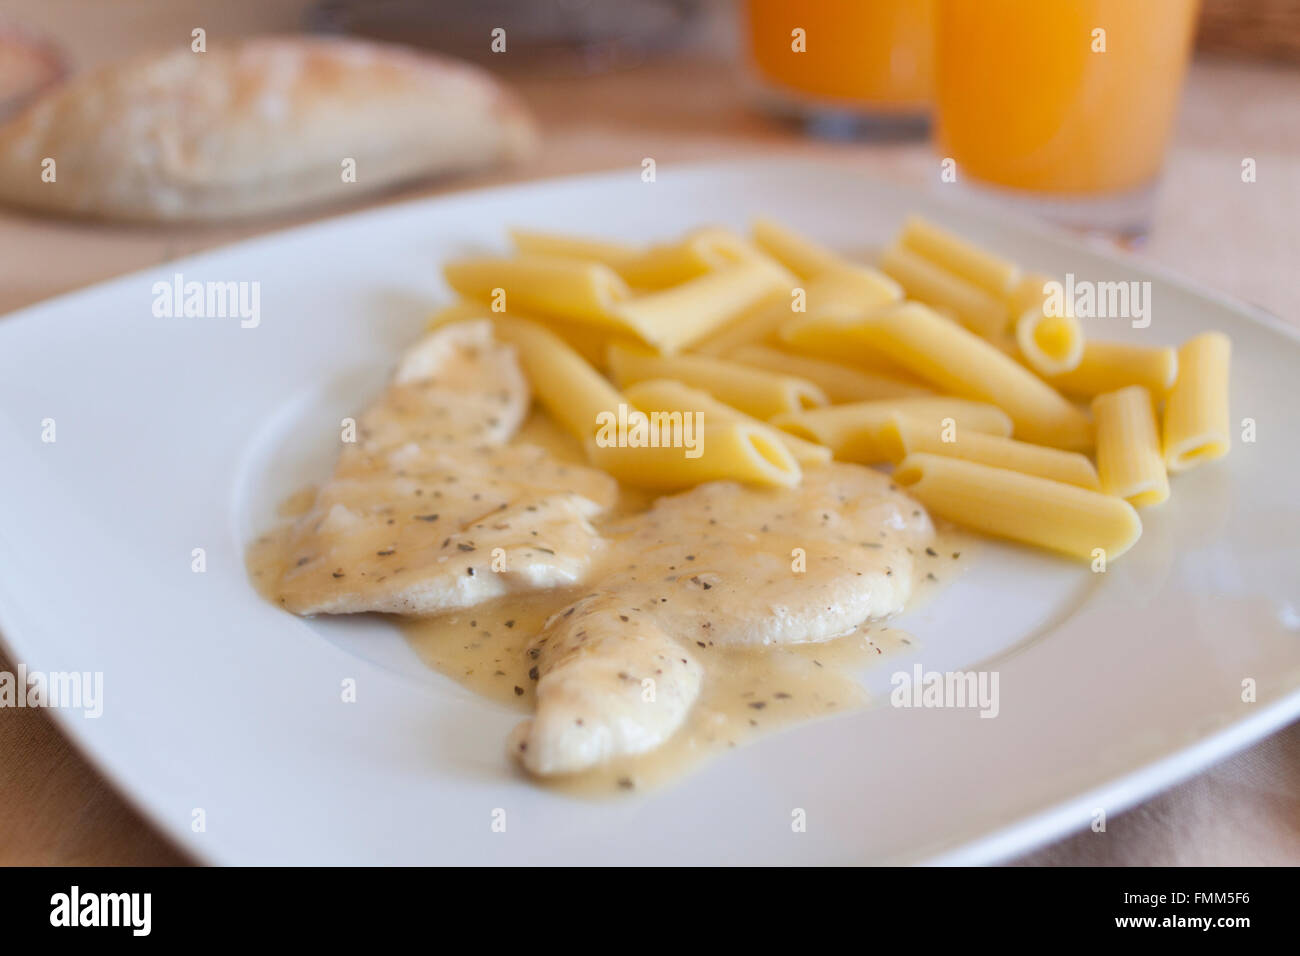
{"x":866,"y":432}
{"x":849,"y":290}
{"x":550,"y":285}
{"x":801,"y":255}
{"x":962,"y":258}
{"x":838,"y":340}
{"x":665,"y":395}
{"x":1060,"y":517}
{"x":841,"y":383}
{"x":605,"y":251}
{"x":648,"y":267}
{"x":730,"y":450}
{"x":699,"y":253}
{"x":934,"y":285}
{"x":676,"y":317}
{"x":1107,"y":366}
{"x":570,"y":389}
{"x":589,"y":341}
{"x":996,"y":451}
{"x":841,"y":291}
{"x":1196,"y":411}
{"x":1050,"y":344}
{"x":758,"y":323}
{"x":1030,"y":292}
{"x":1007,"y":345}
{"x":963,"y":364}
{"x":1128,"y":447}
{"x":671,"y":263}
{"x":753,"y":391}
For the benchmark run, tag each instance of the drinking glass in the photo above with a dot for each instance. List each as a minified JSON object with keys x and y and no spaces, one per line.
{"x":1065,"y":106}
{"x":847,"y":64}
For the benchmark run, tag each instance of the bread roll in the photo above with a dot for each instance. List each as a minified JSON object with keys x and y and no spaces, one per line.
{"x":27,"y":67}
{"x":263,"y":125}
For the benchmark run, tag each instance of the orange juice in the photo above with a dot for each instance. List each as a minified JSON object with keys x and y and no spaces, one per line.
{"x":873,"y":54}
{"x":1060,"y":96}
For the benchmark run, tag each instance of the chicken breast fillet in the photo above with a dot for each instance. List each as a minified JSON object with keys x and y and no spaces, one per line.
{"x":429,"y":509}
{"x":722,"y":564}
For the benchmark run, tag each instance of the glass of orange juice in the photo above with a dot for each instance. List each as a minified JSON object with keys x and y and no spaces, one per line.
{"x":1069,"y":103}
{"x":844,"y":64}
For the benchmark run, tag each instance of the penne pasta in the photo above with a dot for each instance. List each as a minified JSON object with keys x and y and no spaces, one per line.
{"x":653,"y":267}
{"x":665,"y":395}
{"x":866,"y":432}
{"x":758,"y":323}
{"x":567,"y":386}
{"x":699,"y":253}
{"x":674,"y":318}
{"x":844,"y":291}
{"x":587,"y":340}
{"x":549,"y":285}
{"x":1128,"y":447}
{"x":735,"y":249}
{"x":1196,"y":426}
{"x":840,"y":382}
{"x":753,"y":391}
{"x":995,"y":275}
{"x":801,"y":255}
{"x":1007,"y":345}
{"x":934,"y":285}
{"x":1049,"y":344}
{"x":848,"y":291}
{"x":1049,"y":514}
{"x":963,"y":364}
{"x":1030,"y":292}
{"x":1108,"y":366}
{"x":996,"y":451}
{"x":667,"y":265}
{"x":728,"y":451}
{"x":604,"y":251}
{"x":838,"y":340}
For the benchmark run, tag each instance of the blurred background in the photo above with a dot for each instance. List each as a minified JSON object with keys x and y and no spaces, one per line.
{"x":1014,"y":92}
{"x":1139,"y":135}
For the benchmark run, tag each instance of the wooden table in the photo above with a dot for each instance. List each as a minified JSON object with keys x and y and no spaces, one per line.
{"x":1238,"y":237}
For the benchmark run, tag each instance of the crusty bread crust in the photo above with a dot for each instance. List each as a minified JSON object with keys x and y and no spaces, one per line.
{"x":28,"y":67}
{"x":260,"y":126}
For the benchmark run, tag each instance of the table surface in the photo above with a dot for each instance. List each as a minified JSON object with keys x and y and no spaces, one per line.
{"x":1239,"y":237}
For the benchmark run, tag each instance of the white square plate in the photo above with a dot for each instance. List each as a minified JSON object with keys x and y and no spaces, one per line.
{"x":181,"y":433}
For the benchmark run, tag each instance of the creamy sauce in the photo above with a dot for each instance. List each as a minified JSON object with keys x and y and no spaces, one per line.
{"x":266,"y":558}
{"x":746,"y":693}
{"x":745,"y":690}
{"x":298,"y":503}
{"x":543,"y":431}
{"x":431,"y":505}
